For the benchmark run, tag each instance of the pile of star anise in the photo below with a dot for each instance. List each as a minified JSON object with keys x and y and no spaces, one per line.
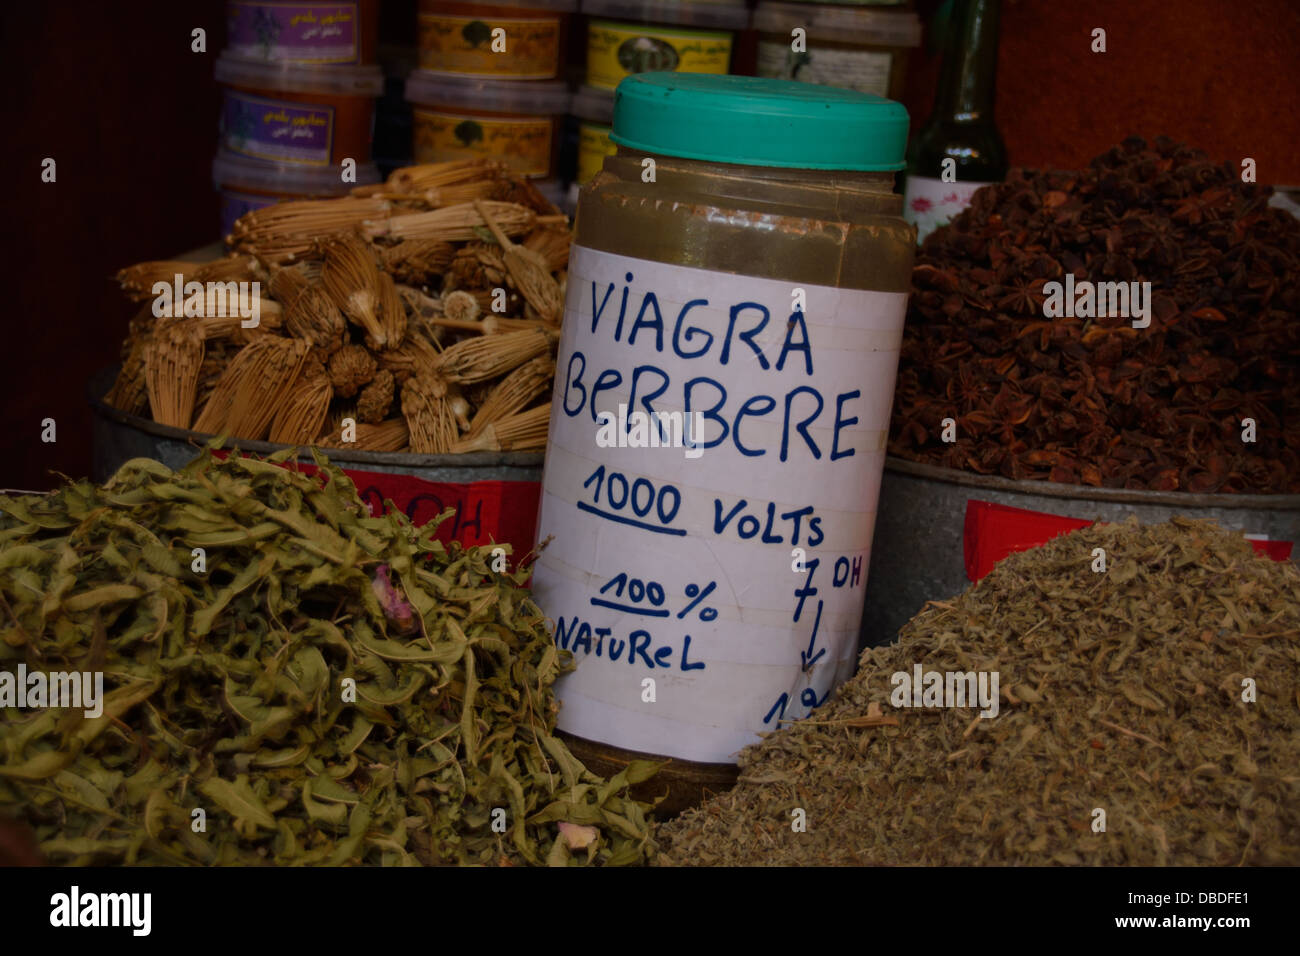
{"x":1097,"y":401}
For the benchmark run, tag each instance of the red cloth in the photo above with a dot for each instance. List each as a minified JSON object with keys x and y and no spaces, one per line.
{"x":994,"y":531}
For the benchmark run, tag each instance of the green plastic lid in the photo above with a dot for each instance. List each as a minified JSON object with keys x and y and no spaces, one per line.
{"x":753,"y":121}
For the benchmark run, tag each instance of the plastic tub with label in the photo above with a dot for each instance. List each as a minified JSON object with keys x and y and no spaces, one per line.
{"x":306,"y":33}
{"x":594,"y":109}
{"x":455,"y":117}
{"x":859,"y":45}
{"x":305,"y":115}
{"x":626,"y":37}
{"x":514,"y":40}
{"x":248,"y":184}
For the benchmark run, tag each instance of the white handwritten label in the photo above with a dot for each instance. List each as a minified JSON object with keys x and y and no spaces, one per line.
{"x":678,"y":567}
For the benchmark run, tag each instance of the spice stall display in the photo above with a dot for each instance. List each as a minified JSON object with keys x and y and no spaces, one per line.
{"x":1147,"y":715}
{"x":419,"y":314}
{"x":319,"y":686}
{"x":1093,"y":400}
{"x":1090,"y":343}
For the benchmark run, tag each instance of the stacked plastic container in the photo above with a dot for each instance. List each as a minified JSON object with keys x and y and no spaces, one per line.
{"x":642,"y":36}
{"x":856,"y":44}
{"x":490,"y":84}
{"x":297,"y":116}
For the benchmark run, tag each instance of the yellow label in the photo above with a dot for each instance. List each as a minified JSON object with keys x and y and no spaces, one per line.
{"x":526,"y":49}
{"x":523,"y":144}
{"x":616,"y":50}
{"x":593,"y":147}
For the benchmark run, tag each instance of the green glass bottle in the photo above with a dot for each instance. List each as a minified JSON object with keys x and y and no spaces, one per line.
{"x":961,"y":128}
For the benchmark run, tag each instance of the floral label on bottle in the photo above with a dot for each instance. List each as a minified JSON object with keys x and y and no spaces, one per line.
{"x":931,"y":203}
{"x":274,"y":129}
{"x":293,"y":32}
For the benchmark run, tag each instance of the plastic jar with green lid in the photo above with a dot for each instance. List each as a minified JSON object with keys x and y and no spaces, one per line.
{"x":626,"y":37}
{"x":735,"y":301}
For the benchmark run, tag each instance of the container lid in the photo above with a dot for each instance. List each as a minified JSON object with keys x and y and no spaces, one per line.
{"x":594,"y":104}
{"x":717,"y":14}
{"x":239,"y":172}
{"x":851,"y":24}
{"x":339,"y":79}
{"x":426,"y":88}
{"x":759,"y":122}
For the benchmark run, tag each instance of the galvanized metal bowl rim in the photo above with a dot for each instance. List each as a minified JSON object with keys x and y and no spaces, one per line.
{"x":1051,"y":489}
{"x":102,"y":381}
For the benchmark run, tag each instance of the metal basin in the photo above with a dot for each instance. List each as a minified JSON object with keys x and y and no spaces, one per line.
{"x":917,"y":554}
{"x":119,"y":437}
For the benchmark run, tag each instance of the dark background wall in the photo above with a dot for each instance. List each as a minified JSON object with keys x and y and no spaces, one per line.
{"x":113,"y":93}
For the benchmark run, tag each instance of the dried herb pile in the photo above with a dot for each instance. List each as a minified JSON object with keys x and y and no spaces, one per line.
{"x":226,"y":688}
{"x":1095,"y":401}
{"x":1119,"y":690}
{"x":381,"y":307}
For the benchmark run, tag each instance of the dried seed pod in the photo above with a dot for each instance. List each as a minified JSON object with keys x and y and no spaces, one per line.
{"x":428,"y":414}
{"x":138,"y":281}
{"x":418,"y":353}
{"x":252,"y":387}
{"x":140,"y":327}
{"x":376,"y":398}
{"x":418,"y":304}
{"x":305,"y":407}
{"x":514,"y":393}
{"x":460,"y":306}
{"x":530,"y":271}
{"x":426,"y":176}
{"x":390,"y":435}
{"x":522,"y":432}
{"x":459,"y":223}
{"x":552,"y":244}
{"x":496,"y":324}
{"x":172,"y":360}
{"x":350,"y":368}
{"x":392,"y":313}
{"x":487,"y":356}
{"x":288,"y":231}
{"x":129,"y":393}
{"x":309,"y":313}
{"x":350,"y":278}
{"x":216,"y":357}
{"x":417,"y":261}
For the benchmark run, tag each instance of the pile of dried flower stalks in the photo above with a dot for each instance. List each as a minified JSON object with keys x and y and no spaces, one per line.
{"x":1120,"y":691}
{"x":425,"y":310}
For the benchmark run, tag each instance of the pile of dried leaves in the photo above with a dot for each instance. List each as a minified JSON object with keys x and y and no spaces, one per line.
{"x":1120,"y":691}
{"x":1095,"y":401}
{"x":326,"y":686}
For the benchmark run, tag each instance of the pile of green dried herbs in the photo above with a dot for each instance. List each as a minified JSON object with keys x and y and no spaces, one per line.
{"x":1120,"y":691}
{"x":325,"y":686}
